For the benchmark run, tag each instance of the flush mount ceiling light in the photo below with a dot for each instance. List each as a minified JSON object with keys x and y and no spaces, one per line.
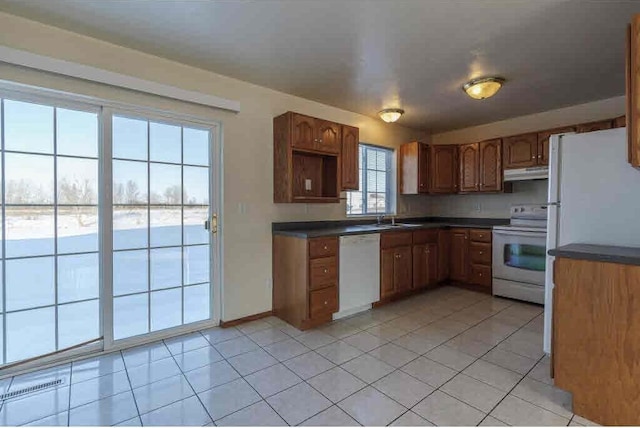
{"x":486,"y":87}
{"x":390,"y":114}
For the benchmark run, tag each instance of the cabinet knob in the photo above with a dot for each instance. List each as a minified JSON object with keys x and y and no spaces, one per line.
{"x":481,"y":252}
{"x":326,"y":302}
{"x":481,"y":235}
{"x":326,"y":270}
{"x":320,"y":141}
{"x":480,"y":274}
{"x":533,"y":157}
{"x":325,"y":247}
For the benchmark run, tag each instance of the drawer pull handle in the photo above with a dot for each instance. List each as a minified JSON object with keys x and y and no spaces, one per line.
{"x":326,"y":270}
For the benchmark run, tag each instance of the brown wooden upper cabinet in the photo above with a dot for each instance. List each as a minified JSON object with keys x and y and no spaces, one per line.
{"x":443,"y":164}
{"x":595,"y":126}
{"x":309,"y":133}
{"x":633,"y":91}
{"x":414,"y":168}
{"x":520,"y":151}
{"x":543,"y":142}
{"x":481,"y":167}
{"x":469,"y":173}
{"x":490,"y":165}
{"x":313,"y":159}
{"x":349,"y":158}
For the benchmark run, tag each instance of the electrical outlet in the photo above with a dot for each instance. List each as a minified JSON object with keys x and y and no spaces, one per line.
{"x":307,"y":184}
{"x":478,"y":207}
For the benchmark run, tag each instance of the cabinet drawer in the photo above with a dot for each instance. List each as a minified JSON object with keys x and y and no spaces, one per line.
{"x":480,"y":253}
{"x":323,"y":302}
{"x":395,"y":239}
{"x":481,"y":275}
{"x":323,"y":247}
{"x":323,"y":272}
{"x":425,"y":236}
{"x":480,"y":235}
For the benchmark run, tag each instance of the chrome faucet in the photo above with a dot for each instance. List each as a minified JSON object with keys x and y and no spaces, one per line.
{"x":379,"y":219}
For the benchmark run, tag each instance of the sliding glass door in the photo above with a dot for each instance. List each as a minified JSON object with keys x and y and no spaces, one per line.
{"x":80,"y":259}
{"x":50,"y":234}
{"x":161,"y":250}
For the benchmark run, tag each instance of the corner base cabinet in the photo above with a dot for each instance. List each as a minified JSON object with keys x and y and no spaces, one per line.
{"x":305,"y":280}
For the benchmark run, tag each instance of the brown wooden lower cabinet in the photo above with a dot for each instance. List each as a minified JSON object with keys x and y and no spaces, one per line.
{"x":444,"y":248}
{"x":459,"y":255}
{"x":471,"y":257}
{"x":395,"y":264}
{"x":305,"y":280}
{"x":595,"y":346}
{"x":425,"y":265}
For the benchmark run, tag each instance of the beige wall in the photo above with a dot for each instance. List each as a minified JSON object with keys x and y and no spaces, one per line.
{"x":523,"y":192}
{"x":248,"y":145}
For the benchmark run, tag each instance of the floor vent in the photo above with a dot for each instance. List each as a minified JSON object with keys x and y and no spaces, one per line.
{"x":29,"y":390}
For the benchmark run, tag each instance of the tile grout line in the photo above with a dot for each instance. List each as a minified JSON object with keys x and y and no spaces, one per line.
{"x":187,"y":379}
{"x":70,"y":385}
{"x":135,"y":402}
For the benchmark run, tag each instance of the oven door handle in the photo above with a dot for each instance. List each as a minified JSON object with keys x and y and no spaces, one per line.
{"x":521,"y":233}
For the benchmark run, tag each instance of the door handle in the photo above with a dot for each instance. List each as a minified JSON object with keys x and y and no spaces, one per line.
{"x":212,"y":225}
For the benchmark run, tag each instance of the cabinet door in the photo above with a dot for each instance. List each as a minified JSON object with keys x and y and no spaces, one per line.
{"x":328,"y":136}
{"x":420,"y":268}
{"x":543,"y":142}
{"x":520,"y":151}
{"x":490,"y":166}
{"x":444,"y":171}
{"x":594,"y":126}
{"x":444,"y":250}
{"x":423,"y":168}
{"x":402,"y":269}
{"x":387,"y":258}
{"x":349,"y":160}
{"x":469,"y":168}
{"x":432,"y":264}
{"x":459,"y":255}
{"x":303,"y":132}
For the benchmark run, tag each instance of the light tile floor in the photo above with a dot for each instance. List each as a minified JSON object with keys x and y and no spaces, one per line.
{"x":446,"y":357}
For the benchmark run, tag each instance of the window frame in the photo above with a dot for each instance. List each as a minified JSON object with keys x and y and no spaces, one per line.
{"x":390,"y":196}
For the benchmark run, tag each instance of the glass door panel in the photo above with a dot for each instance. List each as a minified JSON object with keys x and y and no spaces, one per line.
{"x":161,"y":251}
{"x":49,"y":208}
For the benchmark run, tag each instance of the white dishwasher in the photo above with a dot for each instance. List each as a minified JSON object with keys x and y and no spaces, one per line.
{"x":359,"y":273}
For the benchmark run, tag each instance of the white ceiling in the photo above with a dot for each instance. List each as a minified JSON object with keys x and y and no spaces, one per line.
{"x":364,"y":55}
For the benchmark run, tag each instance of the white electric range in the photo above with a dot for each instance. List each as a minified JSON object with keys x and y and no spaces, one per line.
{"x":519,"y":254}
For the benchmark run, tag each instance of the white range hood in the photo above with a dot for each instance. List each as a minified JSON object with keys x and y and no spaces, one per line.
{"x":521,"y":174}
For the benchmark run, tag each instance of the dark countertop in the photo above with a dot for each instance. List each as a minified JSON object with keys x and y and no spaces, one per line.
{"x":599,"y":253}
{"x":358,"y":227}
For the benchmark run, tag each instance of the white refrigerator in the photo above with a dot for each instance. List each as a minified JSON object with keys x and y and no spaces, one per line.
{"x":594,"y":198}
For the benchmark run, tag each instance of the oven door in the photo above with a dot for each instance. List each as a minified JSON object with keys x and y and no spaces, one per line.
{"x":520,"y":256}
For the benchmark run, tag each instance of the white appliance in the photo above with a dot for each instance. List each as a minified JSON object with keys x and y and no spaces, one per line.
{"x":359,"y":273}
{"x":532,"y":173}
{"x":519,"y":254}
{"x":593,"y":197}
